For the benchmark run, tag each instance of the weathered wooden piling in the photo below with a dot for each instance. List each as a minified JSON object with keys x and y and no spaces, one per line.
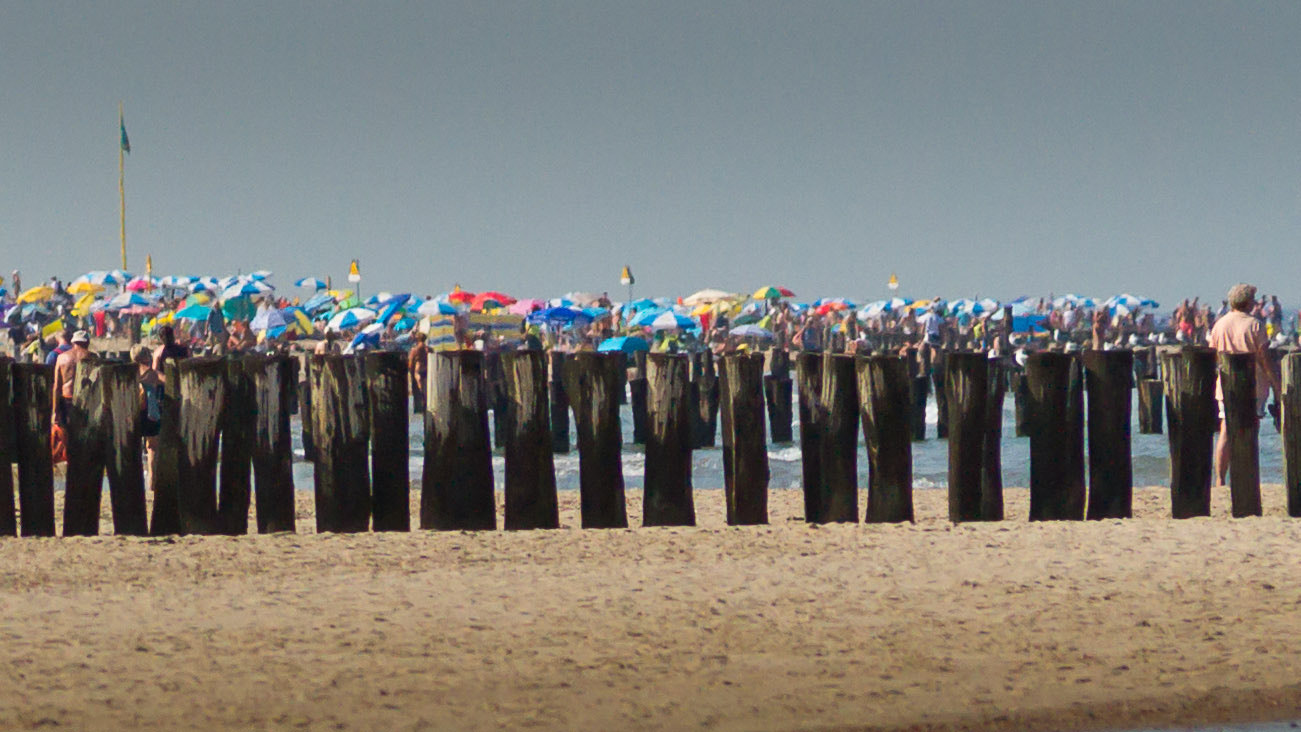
{"x":1017,"y":385}
{"x":1191,"y":419}
{"x":531,"y":501}
{"x":883,"y":394}
{"x":166,"y":475}
{"x":83,"y":433}
{"x":919,"y":373}
{"x":495,"y":393}
{"x":341,"y":429}
{"x":777,"y":391}
{"x":590,"y":383}
{"x":275,"y":381}
{"x":667,"y":497}
{"x":202,"y":390}
{"x":386,"y":391}
{"x":32,"y":408}
{"x":304,"y":393}
{"x":637,"y":398}
{"x":831,"y":485}
{"x":235,"y":487}
{"x":1291,"y":408}
{"x":973,"y":386}
{"x":8,"y":451}
{"x":939,"y":362}
{"x":704,"y":392}
{"x":120,"y":385}
{"x":457,"y":484}
{"x":1149,"y":406}
{"x":556,"y":362}
{"x":1055,"y":418}
{"x":1108,"y":375}
{"x":1238,"y":383}
{"x":745,"y":450}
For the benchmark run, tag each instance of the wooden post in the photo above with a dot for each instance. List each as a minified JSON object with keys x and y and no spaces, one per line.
{"x":340,"y":427}
{"x":1055,"y":414}
{"x":8,"y":452}
{"x":1017,"y":385}
{"x":166,"y":476}
{"x":495,"y":393}
{"x":85,"y":445}
{"x":275,"y":380}
{"x":808,"y":375}
{"x":667,"y":499}
{"x":120,"y":383}
{"x":457,"y":485}
{"x":1111,"y":476}
{"x":939,"y":362}
{"x":745,"y":451}
{"x":236,"y":483}
{"x":305,"y":406}
{"x":1238,"y":381}
{"x":590,"y":383}
{"x":1149,"y":406}
{"x":32,"y":409}
{"x":557,"y":361}
{"x":919,"y":371}
{"x":970,"y":385}
{"x":1291,"y":407}
{"x":884,"y":397}
{"x":386,"y":391}
{"x":637,"y":387}
{"x":704,"y":392}
{"x":203,"y":393}
{"x":777,"y":388}
{"x":1189,"y":377}
{"x":531,"y":501}
{"x":991,"y":474}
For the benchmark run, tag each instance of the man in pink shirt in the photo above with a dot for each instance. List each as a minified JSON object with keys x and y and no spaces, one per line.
{"x":1240,"y":332}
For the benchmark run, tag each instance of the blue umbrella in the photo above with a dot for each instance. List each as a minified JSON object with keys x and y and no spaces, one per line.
{"x":268,"y":319}
{"x":558,"y":316}
{"x":623,"y":344}
{"x":645,"y":317}
{"x":319,"y":301}
{"x":391,"y":306}
{"x":436,"y":307}
{"x":312,"y":282}
{"x":194,"y":312}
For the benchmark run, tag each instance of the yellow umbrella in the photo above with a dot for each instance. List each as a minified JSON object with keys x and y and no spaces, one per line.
{"x":52,"y":328}
{"x":37,"y":294}
{"x":85,"y":288}
{"x":83,"y":305}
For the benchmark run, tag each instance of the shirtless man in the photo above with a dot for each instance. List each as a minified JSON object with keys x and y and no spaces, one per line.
{"x":65,"y":371}
{"x":418,"y":367}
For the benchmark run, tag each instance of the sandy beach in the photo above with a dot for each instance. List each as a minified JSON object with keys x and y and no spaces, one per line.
{"x":1097,"y":625}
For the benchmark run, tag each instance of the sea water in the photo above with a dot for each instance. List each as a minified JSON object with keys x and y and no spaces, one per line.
{"x":1150,"y":457}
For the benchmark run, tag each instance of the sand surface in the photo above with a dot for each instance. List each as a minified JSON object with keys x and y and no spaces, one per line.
{"x":1097,"y":625}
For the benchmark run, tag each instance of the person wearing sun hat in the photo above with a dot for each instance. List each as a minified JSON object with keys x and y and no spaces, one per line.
{"x":65,"y":369}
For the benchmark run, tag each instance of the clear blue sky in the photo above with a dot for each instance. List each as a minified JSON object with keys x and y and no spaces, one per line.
{"x":974,"y":148}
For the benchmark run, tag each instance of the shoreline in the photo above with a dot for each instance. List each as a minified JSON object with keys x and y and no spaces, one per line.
{"x":1142,"y":623}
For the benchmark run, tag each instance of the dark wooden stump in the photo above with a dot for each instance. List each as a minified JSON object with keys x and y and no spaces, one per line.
{"x":667,"y":497}
{"x":32,"y":409}
{"x":1238,"y":380}
{"x":8,"y":452}
{"x":1291,"y":407}
{"x":970,"y":387}
{"x":531,"y":501}
{"x":704,"y":392}
{"x":834,"y":452}
{"x":813,"y":417}
{"x":1055,"y":418}
{"x":1017,"y":385}
{"x":938,"y":365}
{"x":494,"y":389}
{"x":305,"y":406}
{"x":1149,"y":406}
{"x":1191,"y":420}
{"x":203,"y":391}
{"x":637,"y":398}
{"x":457,"y":486}
{"x":235,"y":495}
{"x":1108,"y":375}
{"x":991,"y":474}
{"x":341,"y":429}
{"x":390,"y":449}
{"x":590,"y":383}
{"x":120,"y":383}
{"x":560,"y":400}
{"x":84,"y":482}
{"x":745,"y":451}
{"x":778,"y":392}
{"x":275,"y":381}
{"x":166,"y":477}
{"x":884,"y":396}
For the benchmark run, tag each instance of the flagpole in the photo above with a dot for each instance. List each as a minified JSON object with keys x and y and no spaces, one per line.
{"x":121,"y":187}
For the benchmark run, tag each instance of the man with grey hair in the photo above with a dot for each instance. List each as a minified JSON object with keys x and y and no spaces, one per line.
{"x":1239,"y":332}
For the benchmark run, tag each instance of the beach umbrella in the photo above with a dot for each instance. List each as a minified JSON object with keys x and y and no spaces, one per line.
{"x":750,"y":331}
{"x":490,"y":299}
{"x":268,"y":318}
{"x":238,"y":308}
{"x":558,"y":316}
{"x":245,"y":289}
{"x":193,"y":312}
{"x":644,"y":317}
{"x":623,"y":344}
{"x":436,"y":307}
{"x":84,"y":288}
{"x":319,"y":301}
{"x":141,"y":284}
{"x":771,"y":292}
{"x":392,"y":306}
{"x":83,"y":305}
{"x":40,"y":293}
{"x":524,"y":307}
{"x":259,"y":275}
{"x":175,"y":281}
{"x":298,"y":319}
{"x":351,"y":318}
{"x":460,"y":297}
{"x":669,"y":320}
{"x":312,"y":282}
{"x":707,"y":296}
{"x":126,"y":300}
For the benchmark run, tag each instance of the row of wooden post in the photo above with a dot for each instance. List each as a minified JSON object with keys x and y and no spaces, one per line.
{"x":225,"y":429}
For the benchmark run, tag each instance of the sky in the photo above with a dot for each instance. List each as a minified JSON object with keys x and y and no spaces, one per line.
{"x":983,"y":148}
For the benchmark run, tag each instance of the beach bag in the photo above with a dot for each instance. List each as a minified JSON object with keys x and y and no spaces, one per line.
{"x":58,"y":445}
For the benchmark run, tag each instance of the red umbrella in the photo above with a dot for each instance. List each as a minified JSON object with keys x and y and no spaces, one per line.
{"x":490,"y":299}
{"x":461,"y":297}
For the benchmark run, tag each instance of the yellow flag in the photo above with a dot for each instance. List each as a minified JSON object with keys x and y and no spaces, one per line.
{"x":625,"y":278}
{"x":149,"y":265}
{"x":894,"y":282}
{"x":354,"y":272}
